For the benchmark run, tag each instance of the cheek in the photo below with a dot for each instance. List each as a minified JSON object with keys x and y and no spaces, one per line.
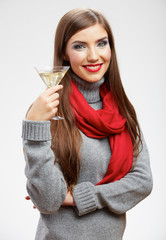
{"x":108,"y":55}
{"x":75,"y":59}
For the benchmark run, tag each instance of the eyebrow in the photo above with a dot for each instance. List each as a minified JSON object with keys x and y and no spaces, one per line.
{"x":82,"y":42}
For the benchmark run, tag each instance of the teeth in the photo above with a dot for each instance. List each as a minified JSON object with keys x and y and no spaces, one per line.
{"x":92,"y":67}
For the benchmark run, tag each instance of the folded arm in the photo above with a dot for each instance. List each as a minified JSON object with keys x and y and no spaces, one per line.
{"x":118,"y":196}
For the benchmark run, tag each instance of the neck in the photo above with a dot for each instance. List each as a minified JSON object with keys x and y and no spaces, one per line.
{"x":90,"y":90}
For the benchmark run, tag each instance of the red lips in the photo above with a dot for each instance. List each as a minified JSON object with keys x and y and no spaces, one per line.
{"x":93,"y":67}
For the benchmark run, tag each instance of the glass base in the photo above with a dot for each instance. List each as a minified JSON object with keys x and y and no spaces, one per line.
{"x":57,"y":118}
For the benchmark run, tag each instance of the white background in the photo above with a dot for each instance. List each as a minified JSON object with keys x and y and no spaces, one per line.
{"x":27,"y":31}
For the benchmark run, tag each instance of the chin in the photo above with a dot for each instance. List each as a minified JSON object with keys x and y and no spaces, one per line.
{"x":92,"y":79}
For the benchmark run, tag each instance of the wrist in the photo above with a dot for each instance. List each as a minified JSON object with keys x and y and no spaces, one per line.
{"x":33,"y":117}
{"x":69,"y":200}
{"x":36,"y":130}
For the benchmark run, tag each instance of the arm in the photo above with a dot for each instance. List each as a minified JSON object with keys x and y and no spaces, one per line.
{"x":46,"y":185}
{"x":118,"y":196}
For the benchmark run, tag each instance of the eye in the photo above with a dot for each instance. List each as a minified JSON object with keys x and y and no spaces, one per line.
{"x":102,"y":43}
{"x":78,"y":47}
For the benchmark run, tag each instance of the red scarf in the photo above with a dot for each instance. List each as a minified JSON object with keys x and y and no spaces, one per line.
{"x":106,"y":122}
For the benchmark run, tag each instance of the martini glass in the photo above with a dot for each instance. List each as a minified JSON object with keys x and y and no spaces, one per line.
{"x":52,"y":76}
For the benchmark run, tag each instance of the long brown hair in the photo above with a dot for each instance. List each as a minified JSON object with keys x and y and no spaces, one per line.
{"x":66,"y":138}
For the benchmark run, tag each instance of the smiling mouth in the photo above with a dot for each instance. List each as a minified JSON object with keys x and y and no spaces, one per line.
{"x":93,"y":68}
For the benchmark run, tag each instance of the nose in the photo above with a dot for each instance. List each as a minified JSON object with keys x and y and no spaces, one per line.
{"x":92,"y":55}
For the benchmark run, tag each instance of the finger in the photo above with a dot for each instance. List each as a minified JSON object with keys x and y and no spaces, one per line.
{"x":51,"y":90}
{"x":53,"y":97}
{"x":27,"y":198}
{"x":54,"y":104}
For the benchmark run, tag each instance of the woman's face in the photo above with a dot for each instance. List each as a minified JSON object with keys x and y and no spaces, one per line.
{"x":89,"y":53}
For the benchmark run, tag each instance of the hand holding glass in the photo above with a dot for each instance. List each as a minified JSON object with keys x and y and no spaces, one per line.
{"x":52,"y":76}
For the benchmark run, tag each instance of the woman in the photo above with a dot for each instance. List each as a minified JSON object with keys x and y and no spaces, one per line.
{"x":89,"y":169}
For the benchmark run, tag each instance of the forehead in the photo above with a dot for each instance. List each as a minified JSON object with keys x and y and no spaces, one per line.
{"x":93,"y":32}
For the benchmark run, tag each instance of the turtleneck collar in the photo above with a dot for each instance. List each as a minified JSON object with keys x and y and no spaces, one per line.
{"x":90,"y":90}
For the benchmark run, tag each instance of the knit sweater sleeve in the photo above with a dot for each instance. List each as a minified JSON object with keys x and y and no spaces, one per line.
{"x":45,"y":182}
{"x":118,"y":196}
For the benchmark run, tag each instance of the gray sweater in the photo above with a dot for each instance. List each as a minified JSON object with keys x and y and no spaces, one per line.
{"x":100,"y":211}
